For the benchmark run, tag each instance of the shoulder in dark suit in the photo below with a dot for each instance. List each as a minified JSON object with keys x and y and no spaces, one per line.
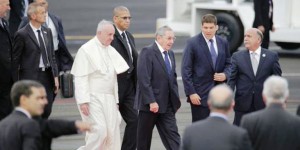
{"x":26,"y":53}
{"x":198,"y":71}
{"x":63,"y":56}
{"x":154,"y":83}
{"x":17,"y":132}
{"x":261,"y":9}
{"x":6,"y":70}
{"x":215,"y":133}
{"x":16,"y":14}
{"x":121,"y":46}
{"x":272,"y":129}
{"x":249,"y":86}
{"x":54,"y":128}
{"x":197,"y":66}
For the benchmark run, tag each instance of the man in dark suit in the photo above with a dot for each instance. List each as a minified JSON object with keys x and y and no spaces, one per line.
{"x":53,"y":128}
{"x":124,"y":43}
{"x":215,"y":132}
{"x":263,"y":19}
{"x":273,"y":128}
{"x":250,"y":68}
{"x":33,"y":55}
{"x":29,"y":98}
{"x":205,"y":63}
{"x":19,"y":131}
{"x":18,"y":11}
{"x":157,"y":96}
{"x":63,"y":57}
{"x":5,"y":62}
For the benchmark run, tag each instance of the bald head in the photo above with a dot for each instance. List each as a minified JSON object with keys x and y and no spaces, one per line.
{"x":253,"y":38}
{"x":220,"y":98}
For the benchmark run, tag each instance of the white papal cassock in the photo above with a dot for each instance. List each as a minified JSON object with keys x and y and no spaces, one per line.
{"x":95,"y":72}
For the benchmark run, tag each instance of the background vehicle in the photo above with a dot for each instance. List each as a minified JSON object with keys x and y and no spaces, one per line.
{"x":234,"y":17}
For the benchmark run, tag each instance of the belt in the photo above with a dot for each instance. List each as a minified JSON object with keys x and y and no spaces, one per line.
{"x":44,"y":69}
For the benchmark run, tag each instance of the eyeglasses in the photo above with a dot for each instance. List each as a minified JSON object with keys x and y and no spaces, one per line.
{"x":125,"y":18}
{"x":170,"y":38}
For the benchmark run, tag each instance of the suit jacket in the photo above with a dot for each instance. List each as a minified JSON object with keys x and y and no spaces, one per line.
{"x":248,"y":86}
{"x":272,"y":129}
{"x":197,"y":67}
{"x":54,"y":128}
{"x":63,"y":57}
{"x":154,"y":83}
{"x":215,"y":133}
{"x":18,"y":132}
{"x":16,"y":14}
{"x":261,"y":9}
{"x":5,"y":69}
{"x":121,"y":46}
{"x":26,"y":54}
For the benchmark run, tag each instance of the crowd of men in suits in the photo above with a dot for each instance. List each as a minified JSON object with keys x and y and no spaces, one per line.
{"x":148,"y":90}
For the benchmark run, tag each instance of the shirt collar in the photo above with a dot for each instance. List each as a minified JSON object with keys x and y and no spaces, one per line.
{"x":220,"y":115}
{"x":257,"y":51}
{"x":159,"y":47}
{"x":207,"y":40}
{"x":23,"y":111}
{"x":33,"y":28}
{"x":120,"y":32}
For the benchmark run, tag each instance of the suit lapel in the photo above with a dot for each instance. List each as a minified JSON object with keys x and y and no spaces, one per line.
{"x":172,"y":61}
{"x":122,"y":41}
{"x":248,"y":61}
{"x":160,"y":58}
{"x":32,"y":35}
{"x":133,"y":50}
{"x":261,"y":60}
{"x":220,"y":52}
{"x":4,"y":28}
{"x":205,"y":49}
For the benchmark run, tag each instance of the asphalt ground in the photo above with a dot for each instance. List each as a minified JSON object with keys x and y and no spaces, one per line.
{"x":80,"y":19}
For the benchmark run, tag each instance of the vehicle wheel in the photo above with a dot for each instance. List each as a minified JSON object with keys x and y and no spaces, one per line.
{"x":231,"y":29}
{"x":288,"y":46}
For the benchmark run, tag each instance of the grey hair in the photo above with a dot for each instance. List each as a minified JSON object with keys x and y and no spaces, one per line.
{"x":103,"y":23}
{"x":222,"y":102}
{"x":275,"y":89}
{"x":32,"y":8}
{"x":162,"y":30}
{"x":119,"y":9}
{"x":260,"y":35}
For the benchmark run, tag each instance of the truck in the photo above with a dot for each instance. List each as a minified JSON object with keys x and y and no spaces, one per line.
{"x":234,"y":17}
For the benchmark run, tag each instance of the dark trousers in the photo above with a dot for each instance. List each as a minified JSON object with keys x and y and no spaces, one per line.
{"x":5,"y":101}
{"x":238,"y":115}
{"x":47,"y":80}
{"x":129,"y":114}
{"x":166,"y":126}
{"x":266,"y":40}
{"x":199,"y":112}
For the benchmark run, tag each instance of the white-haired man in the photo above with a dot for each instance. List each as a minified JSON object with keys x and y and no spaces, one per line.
{"x":95,"y":72}
{"x":215,"y":132}
{"x":273,"y":127}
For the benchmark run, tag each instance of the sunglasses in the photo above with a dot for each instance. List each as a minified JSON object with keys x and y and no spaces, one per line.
{"x":125,"y":18}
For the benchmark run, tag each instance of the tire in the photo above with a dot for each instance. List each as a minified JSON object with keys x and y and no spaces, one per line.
{"x":231,"y":29}
{"x":288,"y":46}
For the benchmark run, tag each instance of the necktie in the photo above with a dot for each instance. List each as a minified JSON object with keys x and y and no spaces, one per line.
{"x":128,"y":48}
{"x":43,"y":50}
{"x":254,"y":62}
{"x":167,"y":62}
{"x":213,"y":52}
